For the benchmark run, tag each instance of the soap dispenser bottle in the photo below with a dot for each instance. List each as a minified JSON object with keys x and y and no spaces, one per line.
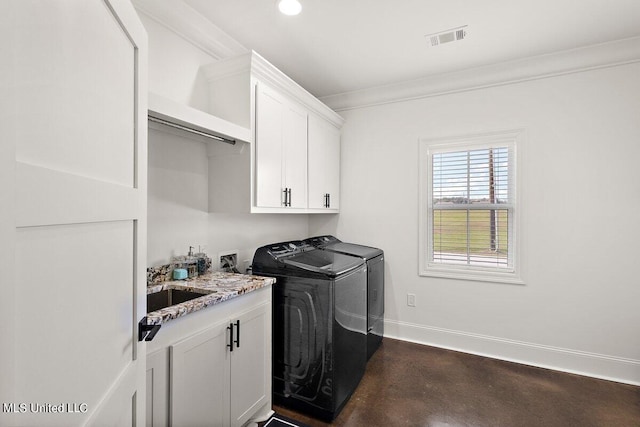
{"x":192,"y":265}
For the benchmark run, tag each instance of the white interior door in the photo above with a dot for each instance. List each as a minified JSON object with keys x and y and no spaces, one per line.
{"x":73,"y":212}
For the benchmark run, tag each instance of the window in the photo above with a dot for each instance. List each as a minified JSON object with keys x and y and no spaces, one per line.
{"x":469,"y":209}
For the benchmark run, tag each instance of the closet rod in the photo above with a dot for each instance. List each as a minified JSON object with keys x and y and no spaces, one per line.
{"x":194,"y":131}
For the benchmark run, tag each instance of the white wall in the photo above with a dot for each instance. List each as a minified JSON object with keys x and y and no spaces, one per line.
{"x":178,"y":214}
{"x":578,"y":310}
{"x":174,"y":66}
{"x":178,"y":197}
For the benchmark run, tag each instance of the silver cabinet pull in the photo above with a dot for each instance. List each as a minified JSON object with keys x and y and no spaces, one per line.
{"x":287,"y":197}
{"x":327,"y":200}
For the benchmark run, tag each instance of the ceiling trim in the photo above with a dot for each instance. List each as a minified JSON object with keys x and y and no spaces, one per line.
{"x":257,"y":66}
{"x":189,"y":24}
{"x":556,"y":64}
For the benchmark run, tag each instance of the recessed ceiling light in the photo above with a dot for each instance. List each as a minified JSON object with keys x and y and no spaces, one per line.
{"x":289,"y":7}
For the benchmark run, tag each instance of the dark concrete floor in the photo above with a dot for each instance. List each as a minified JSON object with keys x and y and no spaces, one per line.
{"x":408,"y":384}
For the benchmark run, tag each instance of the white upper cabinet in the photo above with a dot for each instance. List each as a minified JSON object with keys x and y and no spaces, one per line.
{"x":324,"y":165}
{"x":295,"y":145}
{"x":295,"y":156}
{"x":281,"y":154}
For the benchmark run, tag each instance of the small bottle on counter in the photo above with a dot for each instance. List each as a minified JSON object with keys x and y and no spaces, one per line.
{"x":192,"y":264}
{"x":203,"y":261}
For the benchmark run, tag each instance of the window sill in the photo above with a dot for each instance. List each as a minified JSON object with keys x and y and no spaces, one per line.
{"x":472,"y":274}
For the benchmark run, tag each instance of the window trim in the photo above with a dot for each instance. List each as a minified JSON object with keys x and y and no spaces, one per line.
{"x":514,"y":138}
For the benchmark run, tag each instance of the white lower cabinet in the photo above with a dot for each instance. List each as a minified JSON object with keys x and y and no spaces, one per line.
{"x":200,"y":374}
{"x":211,"y":378}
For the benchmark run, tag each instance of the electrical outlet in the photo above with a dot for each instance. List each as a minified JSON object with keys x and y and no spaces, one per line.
{"x":411,"y":300}
{"x":228,"y":261}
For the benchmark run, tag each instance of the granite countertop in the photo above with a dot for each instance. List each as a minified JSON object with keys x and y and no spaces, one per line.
{"x":215,"y":286}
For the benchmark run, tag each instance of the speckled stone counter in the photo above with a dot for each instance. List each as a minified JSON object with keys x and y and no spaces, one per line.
{"x":216,"y":288}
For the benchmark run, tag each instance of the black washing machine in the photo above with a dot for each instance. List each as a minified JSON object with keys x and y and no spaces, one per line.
{"x":319,"y":325}
{"x":374,"y":258}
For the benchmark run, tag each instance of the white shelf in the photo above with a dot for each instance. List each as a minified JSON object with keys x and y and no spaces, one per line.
{"x":170,"y":111}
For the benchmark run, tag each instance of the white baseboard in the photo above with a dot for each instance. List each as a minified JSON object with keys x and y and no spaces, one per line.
{"x":561,"y":359}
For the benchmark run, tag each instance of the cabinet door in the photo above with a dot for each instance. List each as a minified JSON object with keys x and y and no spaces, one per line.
{"x":158,"y":389}
{"x":295,"y":155}
{"x":251,"y":365}
{"x":324,"y":164}
{"x":270,"y":112}
{"x":280,"y":150}
{"x":200,"y":379}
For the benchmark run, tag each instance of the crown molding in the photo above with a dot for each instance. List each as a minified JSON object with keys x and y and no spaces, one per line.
{"x":255,"y":65}
{"x":556,"y":64}
{"x":189,"y":24}
{"x":265,"y":71}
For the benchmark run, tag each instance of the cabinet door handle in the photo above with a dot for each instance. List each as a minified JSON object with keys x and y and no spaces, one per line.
{"x":230,"y":329}
{"x":238,"y":333}
{"x":287,"y":196}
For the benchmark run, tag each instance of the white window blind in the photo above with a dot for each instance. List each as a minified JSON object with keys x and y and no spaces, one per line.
{"x":471,"y":209}
{"x":468,"y":207}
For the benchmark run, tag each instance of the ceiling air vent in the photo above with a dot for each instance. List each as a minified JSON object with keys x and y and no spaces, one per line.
{"x":447,"y":36}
